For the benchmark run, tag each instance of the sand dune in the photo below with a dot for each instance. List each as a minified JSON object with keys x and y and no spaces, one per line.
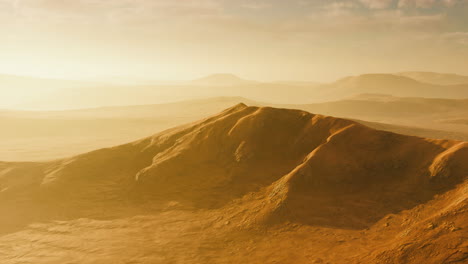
{"x":238,"y":186}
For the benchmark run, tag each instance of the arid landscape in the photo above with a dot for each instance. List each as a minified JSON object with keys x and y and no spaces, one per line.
{"x":41,"y":135}
{"x":226,"y":132}
{"x":231,"y":187}
{"x":234,"y":180}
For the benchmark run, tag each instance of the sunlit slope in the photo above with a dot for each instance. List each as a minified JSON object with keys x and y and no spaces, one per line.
{"x":30,"y":135}
{"x":247,"y":168}
{"x":27,"y":135}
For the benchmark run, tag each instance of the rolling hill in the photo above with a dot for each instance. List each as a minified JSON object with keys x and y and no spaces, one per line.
{"x":249,"y":185}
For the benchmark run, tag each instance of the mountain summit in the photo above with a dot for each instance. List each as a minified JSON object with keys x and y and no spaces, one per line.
{"x":250,"y":168}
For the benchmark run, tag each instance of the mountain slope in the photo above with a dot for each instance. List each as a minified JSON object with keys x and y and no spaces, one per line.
{"x":32,"y":136}
{"x":429,"y":113}
{"x":225,"y":138}
{"x":247,"y":176}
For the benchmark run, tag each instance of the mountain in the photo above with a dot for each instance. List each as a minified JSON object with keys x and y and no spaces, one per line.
{"x":391,"y":85}
{"x":248,"y":185}
{"x":298,"y":83}
{"x":91,"y":95}
{"x":429,"y":113}
{"x":45,"y":135}
{"x":436,"y":78}
{"x":392,"y":106}
{"x":111,"y":95}
{"x":222,"y":79}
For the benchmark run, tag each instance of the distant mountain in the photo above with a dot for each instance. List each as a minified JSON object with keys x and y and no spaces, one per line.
{"x":389,"y":84}
{"x":31,"y":135}
{"x":298,"y":83}
{"x":436,"y":78}
{"x":44,"y":95}
{"x":375,"y":80}
{"x":45,"y":135}
{"x":237,"y":186}
{"x":426,"y":117}
{"x":387,"y":106}
{"x":222,"y":79}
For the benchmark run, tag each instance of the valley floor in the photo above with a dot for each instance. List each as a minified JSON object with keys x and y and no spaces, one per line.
{"x":430,"y":233}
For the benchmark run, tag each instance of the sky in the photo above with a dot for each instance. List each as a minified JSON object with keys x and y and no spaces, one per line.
{"x":313,"y":40}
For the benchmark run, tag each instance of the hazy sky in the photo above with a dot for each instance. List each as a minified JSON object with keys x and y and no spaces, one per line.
{"x":265,"y":39}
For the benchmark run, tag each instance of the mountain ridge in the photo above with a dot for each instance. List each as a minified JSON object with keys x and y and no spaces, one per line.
{"x":251,"y":170}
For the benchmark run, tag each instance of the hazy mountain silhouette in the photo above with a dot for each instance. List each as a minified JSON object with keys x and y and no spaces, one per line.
{"x":222,"y":79}
{"x":429,"y":113}
{"x":389,"y":84}
{"x":29,"y":135}
{"x":436,"y":78}
{"x":88,"y":95}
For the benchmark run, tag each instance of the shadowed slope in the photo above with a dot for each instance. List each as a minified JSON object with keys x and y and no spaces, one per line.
{"x":304,"y":160}
{"x":253,"y":176}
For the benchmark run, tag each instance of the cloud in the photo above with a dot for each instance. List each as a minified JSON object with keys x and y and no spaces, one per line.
{"x":456,"y":37}
{"x":377,"y":4}
{"x":425,"y":4}
{"x":340,"y":8}
{"x":185,"y":19}
{"x":98,"y":9}
{"x":417,"y":3}
{"x":256,"y":5}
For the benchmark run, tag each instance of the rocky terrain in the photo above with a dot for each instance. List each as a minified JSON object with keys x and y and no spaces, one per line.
{"x":251,"y":185}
